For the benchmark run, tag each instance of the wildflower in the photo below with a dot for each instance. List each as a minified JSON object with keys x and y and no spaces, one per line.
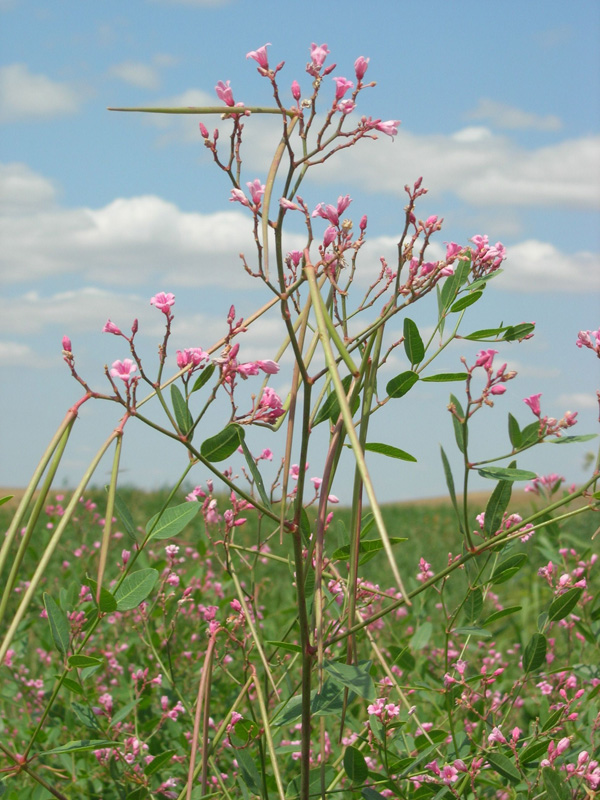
{"x":296,"y":90}
{"x":534,"y":403}
{"x":260,"y":56}
{"x":269,"y":407}
{"x":191,"y":355}
{"x":163,"y":301}
{"x":390,"y":128}
{"x":123,"y":370}
{"x":257,"y":189}
{"x":224,"y":93}
{"x":341,"y":87}
{"x":110,"y":327}
{"x":318,"y":54}
{"x":360,"y":67}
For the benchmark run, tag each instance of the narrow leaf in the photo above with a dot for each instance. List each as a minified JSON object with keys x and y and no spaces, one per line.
{"x":554,"y":784}
{"x":503,"y":766}
{"x":172,"y":521}
{"x":258,"y":481}
{"x":473,"y":604}
{"x":450,"y":484}
{"x":413,"y":344}
{"x":534,"y":751}
{"x":355,"y":765}
{"x":182,"y":413}
{"x":6,"y":499}
{"x":535,"y":653}
{"x":158,"y":762}
{"x":466,"y":630}
{"x":331,"y":407}
{"x":203,"y":378}
{"x":497,"y":505}
{"x":562,"y":606}
{"x":401,"y":384}
{"x":465,"y":301}
{"x":357,"y":678}
{"x":421,"y":636}
{"x":504,"y":612}
{"x":370,"y":546}
{"x":293,"y":648}
{"x":507,"y":568}
{"x":85,"y":715}
{"x":59,"y":624}
{"x":125,"y":517}
{"x":135,"y":588}
{"x":514,"y":432}
{"x":506,"y":474}
{"x":80,"y":661}
{"x":221,"y":445}
{"x":369,"y":793}
{"x":389,"y":450}
{"x":484,"y":334}
{"x":460,"y":429}
{"x":514,"y":332}
{"x":530,"y":434}
{"x":81,"y":746}
{"x":445,"y":377}
{"x":248,"y":771}
{"x":584,"y":437}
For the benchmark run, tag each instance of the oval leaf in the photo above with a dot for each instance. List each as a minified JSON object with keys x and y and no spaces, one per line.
{"x":355,"y":765}
{"x":59,"y":624}
{"x":506,"y":474}
{"x":401,"y":384}
{"x":413,"y":344}
{"x":203,"y":378}
{"x":135,"y":588}
{"x":445,"y":377}
{"x":564,"y":604}
{"x":356,"y":678}
{"x":172,"y":520}
{"x":466,"y":301}
{"x":388,"y":450}
{"x":497,"y":505}
{"x":107,"y":602}
{"x":503,"y":766}
{"x":222,"y":445}
{"x":182,"y":413}
{"x":535,"y":653}
{"x":507,"y":568}
{"x":80,"y":661}
{"x":554,"y":784}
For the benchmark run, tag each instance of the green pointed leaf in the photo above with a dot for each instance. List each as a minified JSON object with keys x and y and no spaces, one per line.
{"x":107,"y":603}
{"x":434,"y":736}
{"x":473,"y":604}
{"x":356,"y":678}
{"x":292,"y":648}
{"x":72,"y":686}
{"x":159,"y":761}
{"x":355,"y":766}
{"x":421,"y":636}
{"x":368,"y":793}
{"x":441,"y":309}
{"x":59,"y":624}
{"x":507,"y":568}
{"x":485,"y":334}
{"x":80,"y":661}
{"x":534,"y":751}
{"x":183,"y":418}
{"x":125,"y":517}
{"x":330,"y":700}
{"x":506,"y":474}
{"x":85,"y":715}
{"x":221,"y":445}
{"x":367,"y":549}
{"x":514,"y":432}
{"x":496,"y":506}
{"x":401,"y":384}
{"x":255,"y":472}
{"x":403,"y":658}
{"x":248,"y":771}
{"x":172,"y":521}
{"x":504,"y":612}
{"x":514,"y":332}
{"x":535,"y":653}
{"x":413,"y":344}
{"x":562,"y":606}
{"x":6,"y":499}
{"x":450,"y":485}
{"x":554,"y":784}
{"x":584,"y":437}
{"x":135,"y":588}
{"x":331,"y":407}
{"x":460,"y":430}
{"x":203,"y":378}
{"x":465,"y":301}
{"x":388,"y":450}
{"x":466,"y":630}
{"x":123,"y":712}
{"x":553,"y":720}
{"x":503,"y":766}
{"x":445,"y":377}
{"x":82,"y":746}
{"x":530,"y":434}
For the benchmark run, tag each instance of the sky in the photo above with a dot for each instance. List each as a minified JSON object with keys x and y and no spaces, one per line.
{"x":500,"y":111}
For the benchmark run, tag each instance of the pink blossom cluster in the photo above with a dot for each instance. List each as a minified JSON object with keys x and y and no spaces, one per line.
{"x":548,"y":425}
{"x":547,"y":485}
{"x":590,"y":339}
{"x":486,"y":258}
{"x":383,"y":710}
{"x":256,"y":190}
{"x":509,"y":522}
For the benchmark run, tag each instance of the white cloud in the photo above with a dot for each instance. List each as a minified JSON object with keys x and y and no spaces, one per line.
{"x":534,"y":266}
{"x":16,"y":354}
{"x":136,"y":74}
{"x":24,"y":95}
{"x":501,"y":115}
{"x":577,"y":401}
{"x":22,"y":190}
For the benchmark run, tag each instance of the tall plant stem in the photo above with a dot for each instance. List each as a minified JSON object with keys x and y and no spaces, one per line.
{"x":202,"y":703}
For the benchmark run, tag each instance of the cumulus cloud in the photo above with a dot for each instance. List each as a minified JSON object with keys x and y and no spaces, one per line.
{"x":501,"y":115}
{"x":143,"y":76}
{"x":15,"y":354}
{"x":577,"y":400}
{"x":24,"y":95}
{"x":535,"y":266}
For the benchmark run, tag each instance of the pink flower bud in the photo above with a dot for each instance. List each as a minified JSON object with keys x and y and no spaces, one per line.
{"x":360,"y":67}
{"x":203,"y":131}
{"x":363,"y":223}
{"x":296,"y":91}
{"x":498,"y":389}
{"x":534,"y":403}
{"x":66,"y":344}
{"x":260,"y":56}
{"x":110,"y":327}
{"x":163,"y":301}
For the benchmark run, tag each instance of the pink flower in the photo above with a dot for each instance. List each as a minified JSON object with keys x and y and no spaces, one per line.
{"x":268,"y":366}
{"x":224,"y":93}
{"x":449,"y":774}
{"x":346,"y":106}
{"x":257,"y":189}
{"x":269,"y":407}
{"x":496,"y":736}
{"x":360,"y":67}
{"x":110,"y":327}
{"x":191,"y":355}
{"x":260,"y":56}
{"x":296,"y":90}
{"x":390,"y":128}
{"x":498,"y":389}
{"x":341,"y":87}
{"x":66,"y":344}
{"x":485,"y":358}
{"x":534,"y":403}
{"x":123,"y":370}
{"x":318,"y":54}
{"x":163,"y":302}
{"x":203,"y":130}
{"x":237,"y":196}
{"x":329,"y":236}
{"x":589,"y":339}
{"x":285,"y":203}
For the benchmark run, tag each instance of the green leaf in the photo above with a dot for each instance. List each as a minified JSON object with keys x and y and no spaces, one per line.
{"x":530,"y":434}
{"x":81,"y":746}
{"x":534,"y":751}
{"x":450,"y":485}
{"x":355,"y":765}
{"x":421,"y":636}
{"x":445,"y":377}
{"x":584,"y":437}
{"x":369,"y":793}
{"x":507,"y":568}
{"x":535,"y":653}
{"x":59,"y":624}
{"x":203,"y":378}
{"x":503,"y":766}
{"x":158,"y":762}
{"x":388,"y":450}
{"x":243,"y":732}
{"x":461,"y":433}
{"x":562,"y":606}
{"x":506,"y":474}
{"x":367,"y":549}
{"x":182,"y":413}
{"x":258,"y":481}
{"x":413,"y":344}
{"x":293,"y":648}
{"x":554,"y":784}
{"x":331,"y":407}
{"x":172,"y":520}
{"x":485,"y":334}
{"x":514,"y":332}
{"x":135,"y":588}
{"x":123,"y":712}
{"x":496,"y":506}
{"x":248,"y":771}
{"x":466,"y":630}
{"x":330,"y":700}
{"x":80,"y":661}
{"x":6,"y":499}
{"x":466,"y":301}
{"x":473,"y":604}
{"x":401,"y":384}
{"x":107,"y":603}
{"x":221,"y":445}
{"x":125,"y":516}
{"x":72,"y":686}
{"x":514,"y":432}
{"x":434,"y":736}
{"x":504,"y":612}
{"x":85,"y":715}
{"x":553,"y":720}
{"x":357,"y":678}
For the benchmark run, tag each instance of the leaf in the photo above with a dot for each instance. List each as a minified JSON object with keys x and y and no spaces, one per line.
{"x":553,"y":720}
{"x":434,"y":736}
{"x":450,"y":484}
{"x":357,"y":678}
{"x":472,"y":631}
{"x":172,"y":520}
{"x":221,"y":445}
{"x":135,"y":588}
{"x":460,"y":429}
{"x":243,"y":732}
{"x":504,"y":612}
{"x":466,"y":301}
{"x":530,"y":434}
{"x":514,"y":432}
{"x":182,"y":413}
{"x":331,"y":407}
{"x":506,"y":474}
{"x":258,"y":481}
{"x":503,"y":766}
{"x":401,"y":384}
{"x":81,"y":746}
{"x":584,"y":437}
{"x":80,"y":661}
{"x":126,"y":518}
{"x":369,"y":793}
{"x":85,"y":715}
{"x":485,"y":334}
{"x":413,"y":344}
{"x":158,"y":762}
{"x":293,"y":648}
{"x":248,"y":771}
{"x":562,"y":606}
{"x":355,"y":765}
{"x":514,"y":332}
{"x":59,"y":624}
{"x":73,"y":686}
{"x":107,"y":602}
{"x":507,"y":568}
{"x":203,"y":378}
{"x":421,"y":636}
{"x":6,"y":499}
{"x":533,"y":751}
{"x":445,"y":377}
{"x":330,"y":700}
{"x":554,"y":784}
{"x":473,"y":604}
{"x":388,"y":450}
{"x":535,"y":653}
{"x":496,"y":506}
{"x":367,"y":549}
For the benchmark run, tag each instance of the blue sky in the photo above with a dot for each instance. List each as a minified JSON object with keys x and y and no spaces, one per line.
{"x":500,"y":112}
